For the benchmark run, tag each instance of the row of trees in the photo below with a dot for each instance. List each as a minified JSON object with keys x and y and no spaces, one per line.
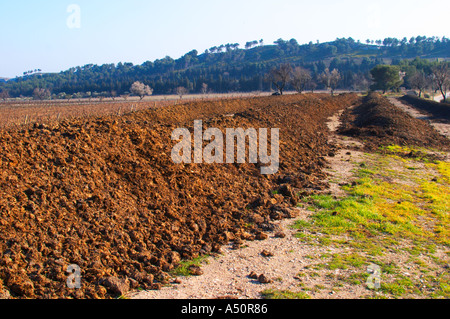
{"x":31,"y":72}
{"x":419,"y":75}
{"x":227,"y":68}
{"x":138,"y":89}
{"x":300,"y":79}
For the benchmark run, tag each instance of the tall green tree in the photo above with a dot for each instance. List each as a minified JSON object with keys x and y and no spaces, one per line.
{"x":386,"y":77}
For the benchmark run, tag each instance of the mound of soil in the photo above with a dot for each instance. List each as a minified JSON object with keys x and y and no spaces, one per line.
{"x":439,"y":112}
{"x":104,"y":194}
{"x":378,"y":122}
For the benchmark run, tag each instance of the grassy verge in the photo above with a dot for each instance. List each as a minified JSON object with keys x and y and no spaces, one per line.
{"x":283,"y":294}
{"x":395,"y":216}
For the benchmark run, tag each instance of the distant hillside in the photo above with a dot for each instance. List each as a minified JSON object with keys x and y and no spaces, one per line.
{"x":4,"y":79}
{"x":228,"y":68}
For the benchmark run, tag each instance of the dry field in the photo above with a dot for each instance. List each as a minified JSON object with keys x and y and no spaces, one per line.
{"x":17,"y":112}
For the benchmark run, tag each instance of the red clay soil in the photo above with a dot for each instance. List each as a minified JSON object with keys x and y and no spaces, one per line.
{"x":104,"y":194}
{"x":378,"y":122}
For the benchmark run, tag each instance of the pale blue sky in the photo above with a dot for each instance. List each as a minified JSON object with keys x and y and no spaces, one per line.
{"x":35,"y":34}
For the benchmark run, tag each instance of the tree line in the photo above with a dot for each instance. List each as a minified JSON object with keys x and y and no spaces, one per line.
{"x":228,"y":68}
{"x":300,"y":79}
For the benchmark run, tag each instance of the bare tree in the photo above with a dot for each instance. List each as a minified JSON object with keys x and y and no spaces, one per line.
{"x":330,"y":79}
{"x":41,"y":94}
{"x":141,"y":90}
{"x":312,"y":86}
{"x":78,"y":96}
{"x":360,"y":82}
{"x":335,"y":79}
{"x":64,"y":96}
{"x":180,"y":91}
{"x":61,"y":96}
{"x":281,"y":76}
{"x":204,"y":88}
{"x":419,"y":81}
{"x":113,"y":95}
{"x":300,"y":79}
{"x":4,"y":95}
{"x":102,"y":96}
{"x":441,"y":76}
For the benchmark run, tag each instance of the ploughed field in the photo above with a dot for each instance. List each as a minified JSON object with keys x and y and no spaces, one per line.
{"x":377,"y":122}
{"x":104,"y":194}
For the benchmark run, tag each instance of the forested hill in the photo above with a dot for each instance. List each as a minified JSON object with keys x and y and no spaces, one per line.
{"x":229,"y":68}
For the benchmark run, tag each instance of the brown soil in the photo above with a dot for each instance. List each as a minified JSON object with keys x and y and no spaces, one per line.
{"x":103,"y":193}
{"x":282,"y":258}
{"x":440,"y":124}
{"x":438,"y":112}
{"x":378,"y":122}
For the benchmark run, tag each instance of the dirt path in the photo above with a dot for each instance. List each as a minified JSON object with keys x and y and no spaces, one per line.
{"x":228,"y":274}
{"x":442,"y":128}
{"x":341,"y":165}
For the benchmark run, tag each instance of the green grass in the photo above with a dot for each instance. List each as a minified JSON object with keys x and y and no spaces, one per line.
{"x":283,"y":294}
{"x":183,"y":267}
{"x":377,"y":207}
{"x":340,"y":261}
{"x":398,"y":204}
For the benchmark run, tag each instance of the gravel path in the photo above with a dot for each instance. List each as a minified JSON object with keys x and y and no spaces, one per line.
{"x":227,"y":275}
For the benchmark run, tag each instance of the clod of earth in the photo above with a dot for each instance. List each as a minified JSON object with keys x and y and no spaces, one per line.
{"x":195,"y":270}
{"x":266,"y":253}
{"x":116,"y":285}
{"x":253,"y":275}
{"x":280,"y":234}
{"x":261,"y":236}
{"x":264,"y":279}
